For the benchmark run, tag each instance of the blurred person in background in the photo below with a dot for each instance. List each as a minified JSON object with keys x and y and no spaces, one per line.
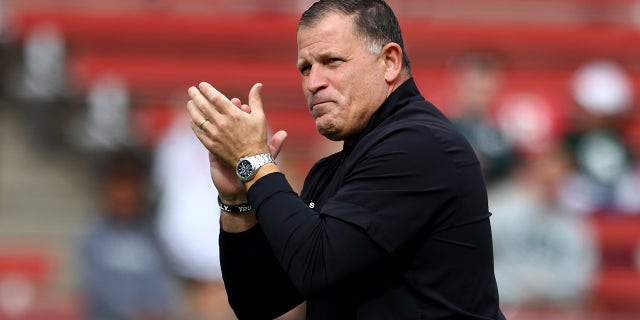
{"x":476,"y":79}
{"x":187,"y":221}
{"x":106,"y":123}
{"x":603,"y":96}
{"x":626,"y":192}
{"x":41,"y":85}
{"x":123,"y":271}
{"x":187,"y":224}
{"x":531,"y":123}
{"x":545,"y":256}
{"x":394,"y":226}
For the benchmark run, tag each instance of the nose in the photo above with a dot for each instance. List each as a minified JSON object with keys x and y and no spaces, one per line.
{"x":316,"y":79}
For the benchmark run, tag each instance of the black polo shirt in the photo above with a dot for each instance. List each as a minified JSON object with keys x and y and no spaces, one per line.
{"x":395,"y":226}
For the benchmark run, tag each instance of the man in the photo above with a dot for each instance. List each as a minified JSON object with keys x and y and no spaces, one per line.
{"x":124,"y":274}
{"x":394,"y":226}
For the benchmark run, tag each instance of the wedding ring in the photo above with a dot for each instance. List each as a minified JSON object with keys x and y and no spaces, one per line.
{"x":201,"y":124}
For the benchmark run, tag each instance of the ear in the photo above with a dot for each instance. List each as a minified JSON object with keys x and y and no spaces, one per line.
{"x":392,"y":55}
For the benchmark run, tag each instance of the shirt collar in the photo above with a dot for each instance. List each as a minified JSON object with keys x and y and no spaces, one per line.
{"x":403,"y":95}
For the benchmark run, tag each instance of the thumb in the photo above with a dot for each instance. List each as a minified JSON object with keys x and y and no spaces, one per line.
{"x":276,"y":142}
{"x":255,"y":98}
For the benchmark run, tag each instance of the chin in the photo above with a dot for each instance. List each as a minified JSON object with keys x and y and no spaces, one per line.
{"x":330,"y":134}
{"x":333,"y":138}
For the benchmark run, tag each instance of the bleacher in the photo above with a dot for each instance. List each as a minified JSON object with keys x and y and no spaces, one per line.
{"x":617,"y":288}
{"x":160,"y":48}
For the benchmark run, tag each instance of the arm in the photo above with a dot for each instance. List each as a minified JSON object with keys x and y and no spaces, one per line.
{"x":231,"y":130}
{"x":256,"y":285}
{"x":317,"y":252}
{"x":379,"y":211}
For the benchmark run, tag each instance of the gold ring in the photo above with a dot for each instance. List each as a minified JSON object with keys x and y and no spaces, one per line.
{"x":201,"y":124}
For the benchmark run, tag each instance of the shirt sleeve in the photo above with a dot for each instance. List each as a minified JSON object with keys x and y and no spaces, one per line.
{"x":256,"y":285}
{"x":316,"y":251}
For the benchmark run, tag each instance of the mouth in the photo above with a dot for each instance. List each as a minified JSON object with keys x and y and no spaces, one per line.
{"x":317,"y":109}
{"x":317,"y":103}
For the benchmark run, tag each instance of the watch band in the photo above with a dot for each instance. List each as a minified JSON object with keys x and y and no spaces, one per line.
{"x":248,"y":166}
{"x":234,"y":208}
{"x":260,"y":160}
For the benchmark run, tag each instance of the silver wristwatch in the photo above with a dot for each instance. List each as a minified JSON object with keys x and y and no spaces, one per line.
{"x":248,"y":166}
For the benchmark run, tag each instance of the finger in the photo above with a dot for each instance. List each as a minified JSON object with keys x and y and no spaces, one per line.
{"x":217,"y":99}
{"x":242,"y":106}
{"x":276,"y":142}
{"x":204,"y":138}
{"x":209,"y":109}
{"x":196,"y":117}
{"x":205,"y":108}
{"x":255,"y":98}
{"x":194,"y":113}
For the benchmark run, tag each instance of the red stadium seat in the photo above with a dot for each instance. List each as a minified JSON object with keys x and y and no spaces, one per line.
{"x":158,"y":52}
{"x":616,"y":289}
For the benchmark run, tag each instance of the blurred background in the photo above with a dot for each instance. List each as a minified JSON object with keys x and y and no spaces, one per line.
{"x":92,"y":98}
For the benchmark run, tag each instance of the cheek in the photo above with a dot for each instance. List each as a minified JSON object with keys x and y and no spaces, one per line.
{"x":366,"y":97}
{"x":366,"y":86}
{"x":305,"y":92}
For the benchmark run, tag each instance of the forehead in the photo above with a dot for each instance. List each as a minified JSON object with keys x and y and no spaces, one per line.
{"x":334,"y":29}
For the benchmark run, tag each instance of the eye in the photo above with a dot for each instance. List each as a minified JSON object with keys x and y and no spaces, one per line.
{"x":305,"y":69}
{"x":334,"y":62}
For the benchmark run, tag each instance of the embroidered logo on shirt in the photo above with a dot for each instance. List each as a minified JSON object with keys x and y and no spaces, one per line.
{"x":312,"y":205}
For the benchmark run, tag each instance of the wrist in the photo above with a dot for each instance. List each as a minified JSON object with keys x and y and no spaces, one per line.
{"x":235,"y":223}
{"x":233,"y":199}
{"x":244,"y":207}
{"x":248,"y":166}
{"x":263,"y":171}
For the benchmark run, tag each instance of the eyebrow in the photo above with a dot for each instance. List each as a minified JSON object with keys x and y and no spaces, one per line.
{"x":324,"y":55}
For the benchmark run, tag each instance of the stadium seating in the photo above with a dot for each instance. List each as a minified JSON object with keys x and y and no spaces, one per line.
{"x":616,"y":289}
{"x":161,"y":52}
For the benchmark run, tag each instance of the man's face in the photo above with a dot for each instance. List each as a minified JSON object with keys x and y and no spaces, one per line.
{"x":343,"y":82}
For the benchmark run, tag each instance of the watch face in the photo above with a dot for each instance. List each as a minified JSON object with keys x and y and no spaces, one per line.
{"x":244,"y":169}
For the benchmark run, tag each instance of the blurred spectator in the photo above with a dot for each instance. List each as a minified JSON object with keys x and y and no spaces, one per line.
{"x":530,"y":123}
{"x":106,"y":123}
{"x":544,"y":256}
{"x":476,"y":79}
{"x":603,"y":96}
{"x":188,"y":215}
{"x":124,"y":275}
{"x":44,"y":63}
{"x":626,"y":193}
{"x":41,"y":84}
{"x":188,"y":220}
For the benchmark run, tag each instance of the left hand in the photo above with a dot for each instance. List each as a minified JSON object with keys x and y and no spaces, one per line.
{"x":230,"y":132}
{"x":233,"y":130}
